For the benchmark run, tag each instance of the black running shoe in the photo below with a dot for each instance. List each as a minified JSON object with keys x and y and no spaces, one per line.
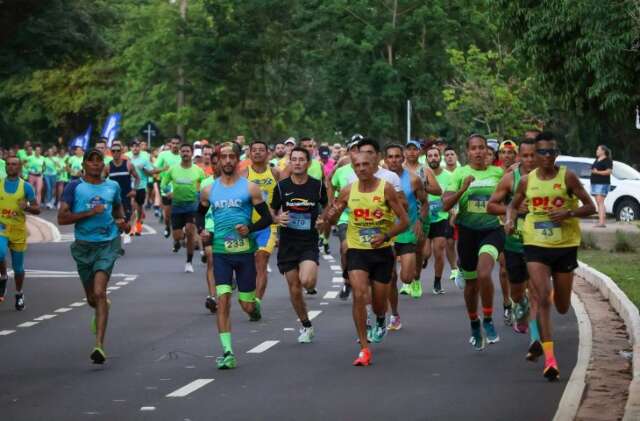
{"x":176,"y":246}
{"x":211,"y":304}
{"x":3,"y":288}
{"x":345,"y":291}
{"x":203,"y":258}
{"x":326,"y":247}
{"x":311,"y":291}
{"x":98,"y":356}
{"x":166,"y":233}
{"x":20,"y":302}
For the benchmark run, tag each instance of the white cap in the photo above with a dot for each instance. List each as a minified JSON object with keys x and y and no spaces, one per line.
{"x":291,"y":140}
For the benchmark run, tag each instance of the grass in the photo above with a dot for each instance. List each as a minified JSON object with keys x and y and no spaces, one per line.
{"x":623,"y":268}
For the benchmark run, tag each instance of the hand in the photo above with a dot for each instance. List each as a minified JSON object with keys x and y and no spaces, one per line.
{"x":132,"y":193}
{"x":23,"y":204}
{"x":467,"y":182}
{"x":97,"y":209}
{"x":332,"y":211}
{"x":122,"y":225}
{"x":242,"y":229}
{"x":523,"y":208}
{"x":417,"y":230}
{"x":169,"y":195}
{"x":320,"y":224}
{"x":377,"y":240}
{"x":559,"y":215}
{"x":509,"y":226}
{"x":205,"y":235}
{"x":283,"y":219}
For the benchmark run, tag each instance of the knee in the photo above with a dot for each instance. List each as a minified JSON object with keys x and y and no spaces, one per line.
{"x":100,"y":296}
{"x":360,"y":295}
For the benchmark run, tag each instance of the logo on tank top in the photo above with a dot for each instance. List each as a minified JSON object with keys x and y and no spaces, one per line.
{"x":547,"y":203}
{"x":227,"y":203}
{"x":95,"y":201}
{"x":367,"y":215}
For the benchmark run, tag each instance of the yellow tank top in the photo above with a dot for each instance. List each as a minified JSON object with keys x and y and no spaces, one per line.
{"x":369,"y":214}
{"x":544,"y":196}
{"x":267,"y":184}
{"x":12,"y":217}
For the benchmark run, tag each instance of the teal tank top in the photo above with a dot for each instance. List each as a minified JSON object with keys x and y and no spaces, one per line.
{"x":230,"y":206}
{"x":408,"y":237}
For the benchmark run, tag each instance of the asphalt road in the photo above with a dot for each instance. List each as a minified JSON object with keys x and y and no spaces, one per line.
{"x":161,"y":339}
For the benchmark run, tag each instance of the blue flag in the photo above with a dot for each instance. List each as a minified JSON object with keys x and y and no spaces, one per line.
{"x":82,"y":140}
{"x":111,"y":128}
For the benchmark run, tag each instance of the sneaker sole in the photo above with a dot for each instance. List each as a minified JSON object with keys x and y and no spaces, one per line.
{"x":97,"y":357}
{"x":535,"y":352}
{"x":552,"y":374}
{"x":484,"y":344}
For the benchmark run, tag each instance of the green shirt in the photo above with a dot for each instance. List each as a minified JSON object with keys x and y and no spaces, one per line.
{"x":315,"y":170}
{"x":35,"y":164}
{"x":141,"y":163}
{"x":436,"y":213}
{"x":50,"y":167}
{"x":186,"y":183}
{"x":61,"y":162}
{"x":75,"y":165}
{"x":3,"y":168}
{"x":166,"y":159}
{"x":513,"y":242}
{"x":473,"y":203}
{"x":339,"y":181}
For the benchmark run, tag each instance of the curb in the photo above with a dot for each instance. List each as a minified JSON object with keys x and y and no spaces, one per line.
{"x":574,"y":390}
{"x":55,"y":232}
{"x":629,"y":313}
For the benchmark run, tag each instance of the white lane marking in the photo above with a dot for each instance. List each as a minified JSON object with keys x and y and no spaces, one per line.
{"x":77,"y":304}
{"x":148,"y":408}
{"x":45,"y":317}
{"x":62,"y":310}
{"x":330,"y":294}
{"x":6,"y":332}
{"x":122,"y":283}
{"x":337,"y":286}
{"x":324,"y":303}
{"x":130,"y":278}
{"x":288,"y":329}
{"x":313,"y":314}
{"x":150,"y":230}
{"x":190,"y":388}
{"x":337,"y":280}
{"x":336,"y":268}
{"x":113,"y":288}
{"x":262,"y":347}
{"x":28,"y":324}
{"x":327,"y":257}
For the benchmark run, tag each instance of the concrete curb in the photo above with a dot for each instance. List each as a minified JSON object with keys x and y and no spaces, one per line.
{"x":629,"y":313}
{"x":574,"y":390}
{"x":53,"y":229}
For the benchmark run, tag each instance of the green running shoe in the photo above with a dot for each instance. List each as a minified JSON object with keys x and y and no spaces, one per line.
{"x":98,"y":356}
{"x":416,"y":289}
{"x":378,"y":333}
{"x":405,"y":290}
{"x":226,"y":362}
{"x":256,"y":314}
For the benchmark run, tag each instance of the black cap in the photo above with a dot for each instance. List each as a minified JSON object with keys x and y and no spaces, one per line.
{"x":90,"y":153}
{"x":324,"y":151}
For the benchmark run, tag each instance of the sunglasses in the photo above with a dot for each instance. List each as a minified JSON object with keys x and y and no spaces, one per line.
{"x":547,"y":152}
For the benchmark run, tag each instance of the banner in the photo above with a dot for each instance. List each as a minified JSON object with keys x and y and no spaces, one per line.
{"x":111,"y":128}
{"x":82,"y":140}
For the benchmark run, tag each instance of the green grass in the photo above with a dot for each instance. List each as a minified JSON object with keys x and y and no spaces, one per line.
{"x":623,"y":268}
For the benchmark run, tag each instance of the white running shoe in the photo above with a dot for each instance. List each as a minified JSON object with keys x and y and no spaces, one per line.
{"x":188,"y":268}
{"x":459,"y":280}
{"x":126,"y":239}
{"x":306,"y":335}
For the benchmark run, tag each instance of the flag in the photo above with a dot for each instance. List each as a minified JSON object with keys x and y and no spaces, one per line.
{"x":111,"y":127}
{"x":82,"y":140}
{"x":637,"y":118}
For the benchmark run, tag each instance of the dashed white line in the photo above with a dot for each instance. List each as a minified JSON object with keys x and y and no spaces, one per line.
{"x":28,"y":324}
{"x":264,"y":346}
{"x":324,"y":303}
{"x":62,"y":310}
{"x":288,"y":329}
{"x":190,"y":388}
{"x":337,"y":280}
{"x":148,"y":408}
{"x":130,"y":278}
{"x":45,"y":317}
{"x":327,"y":257}
{"x":330,"y":294}
{"x":113,"y":288}
{"x":6,"y":332}
{"x":313,"y":314}
{"x":77,"y":304}
{"x":336,"y":268}
{"x":122,"y":283}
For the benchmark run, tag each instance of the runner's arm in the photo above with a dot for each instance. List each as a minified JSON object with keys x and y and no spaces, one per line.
{"x":393,"y":199}
{"x":30,"y":206}
{"x":133,"y":172}
{"x":496,"y":205}
{"x":260,"y":207}
{"x":334,"y":210}
{"x":203,"y":208}
{"x":516,"y":202}
{"x":575,"y":187}
{"x":450,"y":198}
{"x":432,"y":185}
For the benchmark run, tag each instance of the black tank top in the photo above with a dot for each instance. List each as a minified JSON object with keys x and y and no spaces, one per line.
{"x":120,"y":174}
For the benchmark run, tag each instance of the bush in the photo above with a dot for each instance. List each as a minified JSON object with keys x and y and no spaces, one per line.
{"x":588,"y":242}
{"x":622,"y":244}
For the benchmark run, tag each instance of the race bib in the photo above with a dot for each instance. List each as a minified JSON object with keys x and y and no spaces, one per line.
{"x":548,"y":232}
{"x":477,"y":203}
{"x":366,"y":234}
{"x":299,"y":221}
{"x":236,"y":244}
{"x":435,"y":207}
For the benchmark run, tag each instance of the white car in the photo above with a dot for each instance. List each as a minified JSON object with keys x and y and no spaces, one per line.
{"x":623,"y":200}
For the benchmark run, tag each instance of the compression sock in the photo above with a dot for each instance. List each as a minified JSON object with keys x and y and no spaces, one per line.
{"x":189,"y":257}
{"x":487,"y":312}
{"x":225,"y":340}
{"x":533,"y":330}
{"x":547,"y":347}
{"x":306,"y":323}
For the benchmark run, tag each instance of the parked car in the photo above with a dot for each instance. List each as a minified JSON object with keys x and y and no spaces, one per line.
{"x":623,"y":200}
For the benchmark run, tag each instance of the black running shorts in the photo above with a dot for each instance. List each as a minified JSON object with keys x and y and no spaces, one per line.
{"x":516,"y":266}
{"x":379,"y":263}
{"x":559,"y":260}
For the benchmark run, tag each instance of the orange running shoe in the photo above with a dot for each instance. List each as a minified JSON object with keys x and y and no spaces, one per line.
{"x":138,"y":227}
{"x":364,"y":358}
{"x":551,"y":371}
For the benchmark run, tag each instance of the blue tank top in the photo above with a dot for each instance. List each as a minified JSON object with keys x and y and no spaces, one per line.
{"x":120,"y":174}
{"x":405,"y":182}
{"x":230,"y":206}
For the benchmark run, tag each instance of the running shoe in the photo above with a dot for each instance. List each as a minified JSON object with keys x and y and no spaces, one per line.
{"x":138,"y":228}
{"x":378,"y":333}
{"x":188,"y":267}
{"x":227,"y":361}
{"x":98,"y":356}
{"x":156,"y":212}
{"x":256,"y":314}
{"x":203,"y":257}
{"x":520,"y":327}
{"x":176,"y":246}
{"x":459,"y":280}
{"x":437,"y":288}
{"x":406,"y":289}
{"x":521,"y":309}
{"x":551,"y":371}
{"x":325,"y":245}
{"x":166,"y":233}
{"x":454,"y":273}
{"x":306,"y":335}
{"x":490,"y":331}
{"x":508,"y":316}
{"x":20,"y":302}
{"x":311,"y":291}
{"x":3,"y":288}
{"x":345,"y":291}
{"x":535,"y":351}
{"x":126,"y":239}
{"x":416,"y":289}
{"x":364,"y":358}
{"x":211,"y":304}
{"x":394,"y":323}
{"x":476,"y":340}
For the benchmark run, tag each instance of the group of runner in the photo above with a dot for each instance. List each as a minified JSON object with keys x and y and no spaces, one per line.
{"x":395,"y":206}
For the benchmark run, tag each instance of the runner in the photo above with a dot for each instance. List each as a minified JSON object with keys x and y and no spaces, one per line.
{"x":94,"y":206}
{"x":232,"y":199}
{"x":299,"y":198}
{"x":439,"y":228}
{"x":50,"y":176}
{"x":551,"y":236}
{"x":167,"y":159}
{"x":451,"y":163}
{"x":17,"y":197}
{"x":279,"y":152}
{"x":515,"y":263}
{"x":481,"y":236}
{"x":185,"y":179}
{"x":122,"y":172}
{"x":260,"y":173}
{"x":316,"y":171}
{"x":405,"y":242}
{"x":74,"y":163}
{"x":373,"y":203}
{"x":35,"y":168}
{"x":144,"y":169}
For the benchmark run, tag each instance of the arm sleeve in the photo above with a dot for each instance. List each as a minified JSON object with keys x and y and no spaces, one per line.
{"x":265,"y":218}
{"x":276,"y":202}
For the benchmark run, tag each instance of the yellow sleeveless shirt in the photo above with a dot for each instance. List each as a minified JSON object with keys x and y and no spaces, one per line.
{"x":369,"y":214}
{"x":267,"y":183}
{"x":12,"y":217}
{"x":544,"y":196}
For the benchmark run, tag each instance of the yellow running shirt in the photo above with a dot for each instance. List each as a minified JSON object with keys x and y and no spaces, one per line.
{"x":12,"y":218}
{"x":267,"y":183}
{"x":543,"y":196}
{"x":369,"y":214}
